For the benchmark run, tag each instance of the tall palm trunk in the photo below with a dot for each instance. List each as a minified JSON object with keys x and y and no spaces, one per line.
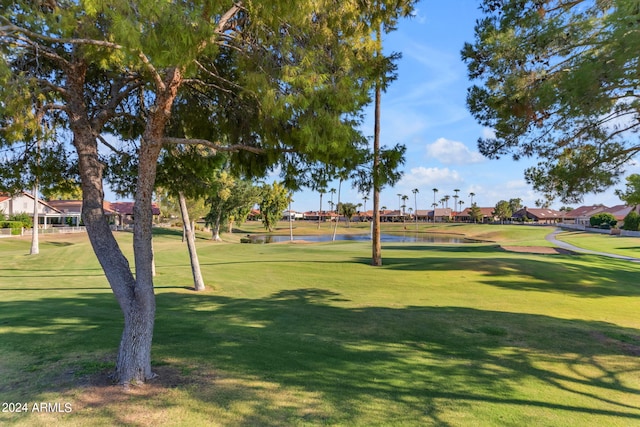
{"x":376,"y":256}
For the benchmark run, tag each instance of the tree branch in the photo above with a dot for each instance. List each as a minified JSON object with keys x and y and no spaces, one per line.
{"x":216,"y":146}
{"x":9,"y":27}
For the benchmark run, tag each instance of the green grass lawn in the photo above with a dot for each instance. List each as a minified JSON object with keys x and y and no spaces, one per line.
{"x":310,"y":334}
{"x":627,"y":246}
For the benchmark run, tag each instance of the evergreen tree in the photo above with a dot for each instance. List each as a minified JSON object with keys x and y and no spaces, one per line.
{"x":559,"y":80}
{"x":296,"y":75}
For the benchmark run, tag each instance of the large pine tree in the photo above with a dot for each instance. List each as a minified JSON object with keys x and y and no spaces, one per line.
{"x":303,"y":69}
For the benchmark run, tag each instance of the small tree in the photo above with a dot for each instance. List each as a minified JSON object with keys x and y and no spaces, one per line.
{"x":348,"y":210}
{"x":632,"y":221}
{"x":502,"y":210}
{"x":230,"y":200}
{"x":23,"y":219}
{"x":515,"y":204}
{"x":275,"y":199}
{"x":475,"y":213}
{"x":631,"y":195}
{"x":603,"y":219}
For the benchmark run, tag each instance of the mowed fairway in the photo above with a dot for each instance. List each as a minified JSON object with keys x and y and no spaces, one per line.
{"x":310,"y":334}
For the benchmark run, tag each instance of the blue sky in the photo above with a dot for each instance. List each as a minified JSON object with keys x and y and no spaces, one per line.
{"x":425,"y":110}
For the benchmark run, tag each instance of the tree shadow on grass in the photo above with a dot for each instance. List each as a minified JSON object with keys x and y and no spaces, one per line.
{"x":297,"y":356}
{"x":580,"y":275}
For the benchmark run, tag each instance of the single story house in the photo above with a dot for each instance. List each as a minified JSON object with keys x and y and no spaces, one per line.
{"x":582,"y":215}
{"x":539,"y":215}
{"x":24,"y":203}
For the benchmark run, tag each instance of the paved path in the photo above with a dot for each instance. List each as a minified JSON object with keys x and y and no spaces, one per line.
{"x":552,"y":238}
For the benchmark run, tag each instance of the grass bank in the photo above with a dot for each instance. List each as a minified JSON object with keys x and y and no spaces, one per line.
{"x":310,"y":334}
{"x":615,"y":244}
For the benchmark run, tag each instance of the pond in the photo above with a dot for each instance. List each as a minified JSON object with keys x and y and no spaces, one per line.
{"x":402,"y":237}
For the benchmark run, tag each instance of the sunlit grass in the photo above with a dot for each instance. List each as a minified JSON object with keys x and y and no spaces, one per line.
{"x":615,"y":244}
{"x":311,"y":334}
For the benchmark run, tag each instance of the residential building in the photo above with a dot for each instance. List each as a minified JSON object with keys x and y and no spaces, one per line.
{"x":24,"y":203}
{"x":538,"y":215}
{"x":582,"y":215}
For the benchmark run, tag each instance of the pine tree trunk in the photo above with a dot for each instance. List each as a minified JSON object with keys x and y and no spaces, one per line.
{"x":198,"y":282}
{"x":135,"y":296}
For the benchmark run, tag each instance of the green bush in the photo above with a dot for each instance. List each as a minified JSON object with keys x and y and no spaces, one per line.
{"x":632,"y":221}
{"x":602,"y":218}
{"x":23,"y":219}
{"x":15,"y":226}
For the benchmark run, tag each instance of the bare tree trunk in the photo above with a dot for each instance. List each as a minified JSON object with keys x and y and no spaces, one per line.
{"x":198,"y":282}
{"x":153,"y":261}
{"x":35,"y":247}
{"x":216,"y":228}
{"x":376,"y":256}
{"x":320,"y":212}
{"x":335,"y":229}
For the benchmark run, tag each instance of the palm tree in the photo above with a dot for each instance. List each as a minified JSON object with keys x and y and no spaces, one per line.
{"x":461,"y":202}
{"x":471,"y":196}
{"x":446,"y":200}
{"x":404,"y":199}
{"x":321,"y":191}
{"x":415,"y":192}
{"x":435,"y":190}
{"x":290,"y":199}
{"x":455,"y":198}
{"x":332,"y":191}
{"x":343,"y":175}
{"x":364,"y":199}
{"x":399,"y":202}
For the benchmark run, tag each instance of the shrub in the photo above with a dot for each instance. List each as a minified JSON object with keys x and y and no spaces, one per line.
{"x":22,"y":218}
{"x":603,"y":218}
{"x":15,"y":226}
{"x":632,"y":221}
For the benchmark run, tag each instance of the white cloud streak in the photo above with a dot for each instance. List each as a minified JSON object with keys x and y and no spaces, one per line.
{"x":451,"y":152}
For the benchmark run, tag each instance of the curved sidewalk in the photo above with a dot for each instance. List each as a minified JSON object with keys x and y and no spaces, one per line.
{"x":552,"y":238}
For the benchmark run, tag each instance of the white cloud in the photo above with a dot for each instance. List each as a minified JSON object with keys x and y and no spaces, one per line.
{"x":451,"y":152}
{"x":422,"y":177}
{"x":488,"y":133}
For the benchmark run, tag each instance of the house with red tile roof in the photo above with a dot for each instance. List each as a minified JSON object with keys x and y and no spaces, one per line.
{"x":24,"y":203}
{"x":486,"y":214}
{"x":539,"y":215}
{"x":582,"y":215}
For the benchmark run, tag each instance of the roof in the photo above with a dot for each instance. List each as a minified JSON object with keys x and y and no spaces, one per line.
{"x":442,"y":212}
{"x":585,"y":211}
{"x":5,"y":196}
{"x":619,"y":212}
{"x":485,"y":212}
{"x":539,"y":213}
{"x":67,"y":205}
{"x":126,"y":208}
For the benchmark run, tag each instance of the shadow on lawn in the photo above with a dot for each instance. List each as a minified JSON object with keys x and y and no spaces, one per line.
{"x":332,"y":364}
{"x":580,"y":275}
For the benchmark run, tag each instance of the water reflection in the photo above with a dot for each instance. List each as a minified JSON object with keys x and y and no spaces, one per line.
{"x":405,"y":237}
